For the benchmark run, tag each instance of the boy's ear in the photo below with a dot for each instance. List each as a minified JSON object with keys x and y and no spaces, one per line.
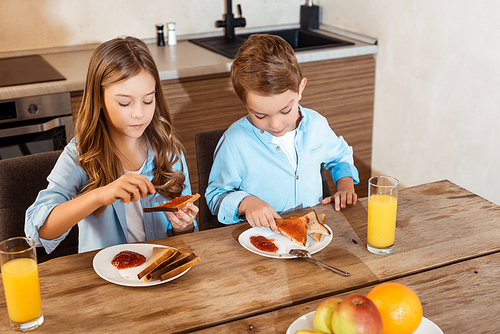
{"x":302,"y":86}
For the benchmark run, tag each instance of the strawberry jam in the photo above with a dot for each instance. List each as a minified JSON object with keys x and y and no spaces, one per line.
{"x":264,"y":244}
{"x":176,"y":201}
{"x":128,"y":259}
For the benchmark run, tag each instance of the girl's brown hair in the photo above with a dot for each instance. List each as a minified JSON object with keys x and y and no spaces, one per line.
{"x":112,"y":62}
{"x":266,"y":65}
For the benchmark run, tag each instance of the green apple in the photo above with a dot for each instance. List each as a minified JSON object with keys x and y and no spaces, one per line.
{"x":357,"y":315}
{"x":323,"y":316}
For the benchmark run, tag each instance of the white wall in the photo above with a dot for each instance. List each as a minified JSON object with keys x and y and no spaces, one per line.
{"x":437,"y":87}
{"x":34,"y":24}
{"x":437,"y":91}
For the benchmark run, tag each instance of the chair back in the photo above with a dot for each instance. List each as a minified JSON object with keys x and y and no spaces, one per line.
{"x":21,"y":179}
{"x":326,"y":187}
{"x":206,"y":143}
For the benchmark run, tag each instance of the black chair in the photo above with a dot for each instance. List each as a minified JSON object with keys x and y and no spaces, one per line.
{"x":205,"y":143}
{"x":326,"y":187}
{"x":21,"y":179}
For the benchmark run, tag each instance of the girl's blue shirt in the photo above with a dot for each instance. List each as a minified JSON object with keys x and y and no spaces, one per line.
{"x":110,"y":227}
{"x":248,"y":163}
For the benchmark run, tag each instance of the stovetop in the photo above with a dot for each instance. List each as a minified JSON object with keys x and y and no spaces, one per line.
{"x":27,"y":70}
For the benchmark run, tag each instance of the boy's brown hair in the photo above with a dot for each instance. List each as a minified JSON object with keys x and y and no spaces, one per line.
{"x":266,"y":65}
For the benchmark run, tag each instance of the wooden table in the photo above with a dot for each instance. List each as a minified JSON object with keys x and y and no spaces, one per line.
{"x":447,"y":250}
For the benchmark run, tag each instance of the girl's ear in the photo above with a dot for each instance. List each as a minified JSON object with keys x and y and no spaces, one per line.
{"x":302,"y":86}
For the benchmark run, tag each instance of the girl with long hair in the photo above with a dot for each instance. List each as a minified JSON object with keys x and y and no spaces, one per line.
{"x":124,"y":146}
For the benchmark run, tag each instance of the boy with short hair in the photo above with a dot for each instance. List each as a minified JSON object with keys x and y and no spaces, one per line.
{"x":269,"y":161}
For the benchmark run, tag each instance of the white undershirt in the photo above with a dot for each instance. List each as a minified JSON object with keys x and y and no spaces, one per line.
{"x":286,"y":142}
{"x":135,"y":217}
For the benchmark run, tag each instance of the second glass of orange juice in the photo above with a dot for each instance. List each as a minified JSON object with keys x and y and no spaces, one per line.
{"x":382,"y":210}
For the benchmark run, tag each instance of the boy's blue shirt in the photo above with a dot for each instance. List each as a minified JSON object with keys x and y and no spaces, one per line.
{"x":110,"y":227}
{"x":247,"y":163}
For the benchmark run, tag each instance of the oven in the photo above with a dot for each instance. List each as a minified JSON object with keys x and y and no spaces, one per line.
{"x":35,"y":124}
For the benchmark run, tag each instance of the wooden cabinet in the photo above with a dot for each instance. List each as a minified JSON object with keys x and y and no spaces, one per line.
{"x":340,"y":89}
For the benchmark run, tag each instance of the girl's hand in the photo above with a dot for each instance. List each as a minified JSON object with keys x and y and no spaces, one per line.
{"x":345,"y":194}
{"x":182,"y":220}
{"x":258,"y":213}
{"x":127,"y":188}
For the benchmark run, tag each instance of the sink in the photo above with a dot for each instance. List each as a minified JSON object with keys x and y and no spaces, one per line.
{"x":299,"y":39}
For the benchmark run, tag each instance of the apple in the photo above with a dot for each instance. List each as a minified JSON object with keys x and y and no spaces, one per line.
{"x":307,"y":331}
{"x":357,"y":315}
{"x":323,"y":316}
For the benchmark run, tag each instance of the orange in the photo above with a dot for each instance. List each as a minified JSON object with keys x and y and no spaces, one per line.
{"x":399,"y":307}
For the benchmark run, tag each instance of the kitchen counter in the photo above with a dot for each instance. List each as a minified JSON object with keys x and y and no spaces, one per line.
{"x":180,"y":61}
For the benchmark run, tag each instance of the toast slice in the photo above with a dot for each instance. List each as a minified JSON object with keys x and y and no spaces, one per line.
{"x":182,"y":259}
{"x":316,"y":227}
{"x":180,"y":268}
{"x":173,"y":257}
{"x":174,"y":205}
{"x":322,"y":221}
{"x":160,"y":254}
{"x":294,"y":229}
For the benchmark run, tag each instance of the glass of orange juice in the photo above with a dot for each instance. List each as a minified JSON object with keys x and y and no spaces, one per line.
{"x":382,"y":209}
{"x":20,"y":283}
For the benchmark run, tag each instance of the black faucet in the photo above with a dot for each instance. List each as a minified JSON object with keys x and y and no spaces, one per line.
{"x":229,"y":21}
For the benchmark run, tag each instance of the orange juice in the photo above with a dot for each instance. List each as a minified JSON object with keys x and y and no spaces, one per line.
{"x":382,"y":220}
{"x":22,"y":290}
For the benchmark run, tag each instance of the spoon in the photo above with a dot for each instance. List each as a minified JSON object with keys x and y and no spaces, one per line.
{"x":302,"y":253}
{"x":168,"y":184}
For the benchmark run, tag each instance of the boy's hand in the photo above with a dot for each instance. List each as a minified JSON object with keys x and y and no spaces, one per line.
{"x":345,"y":194}
{"x":182,"y":221}
{"x":258,"y":213}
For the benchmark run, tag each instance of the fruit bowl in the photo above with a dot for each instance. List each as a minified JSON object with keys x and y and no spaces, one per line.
{"x":306,"y":322}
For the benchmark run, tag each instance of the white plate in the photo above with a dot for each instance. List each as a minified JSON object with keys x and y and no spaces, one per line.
{"x":306,"y":322}
{"x":126,"y":277}
{"x":284,"y":244}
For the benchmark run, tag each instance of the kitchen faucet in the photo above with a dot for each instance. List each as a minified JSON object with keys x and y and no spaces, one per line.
{"x":229,"y":21}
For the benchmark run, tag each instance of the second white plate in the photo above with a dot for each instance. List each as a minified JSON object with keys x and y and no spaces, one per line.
{"x":284,"y":244}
